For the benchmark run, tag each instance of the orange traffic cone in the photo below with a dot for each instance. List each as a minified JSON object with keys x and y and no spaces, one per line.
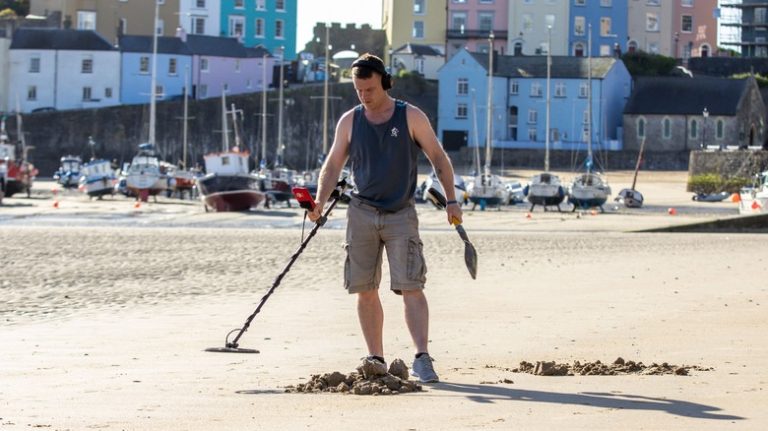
{"x":672,"y":211}
{"x":736,"y":198}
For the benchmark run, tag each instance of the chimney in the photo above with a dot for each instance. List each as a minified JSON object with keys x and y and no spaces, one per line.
{"x":181,"y":34}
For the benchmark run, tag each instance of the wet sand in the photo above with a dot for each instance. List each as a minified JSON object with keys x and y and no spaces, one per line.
{"x":107,"y":309}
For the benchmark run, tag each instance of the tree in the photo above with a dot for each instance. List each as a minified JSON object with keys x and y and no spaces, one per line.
{"x":641,"y":63}
{"x":19,"y":7}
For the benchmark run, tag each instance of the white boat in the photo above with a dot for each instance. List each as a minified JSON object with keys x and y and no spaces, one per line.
{"x":68,"y":174}
{"x":754,"y":200}
{"x":98,"y":178}
{"x":144,"y":177}
{"x":460,"y":189}
{"x":630,"y":198}
{"x":545,"y":189}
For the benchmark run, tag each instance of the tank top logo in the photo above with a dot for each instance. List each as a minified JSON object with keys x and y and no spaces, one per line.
{"x":394,"y":132}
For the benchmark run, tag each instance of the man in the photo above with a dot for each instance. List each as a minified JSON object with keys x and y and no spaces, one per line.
{"x":381,"y":137}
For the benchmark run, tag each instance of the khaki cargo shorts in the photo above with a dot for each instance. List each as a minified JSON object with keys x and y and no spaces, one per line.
{"x":369,"y":232}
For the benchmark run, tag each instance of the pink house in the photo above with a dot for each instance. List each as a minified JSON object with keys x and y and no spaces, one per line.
{"x":694,"y":28}
{"x":470,"y":22}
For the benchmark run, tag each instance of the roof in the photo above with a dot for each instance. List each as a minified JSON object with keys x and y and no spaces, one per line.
{"x":55,"y":39}
{"x":685,"y":96}
{"x":258,"y":51}
{"x":215,"y":46}
{"x":536,"y":66}
{"x":165,"y":45}
{"x":416,"y":49}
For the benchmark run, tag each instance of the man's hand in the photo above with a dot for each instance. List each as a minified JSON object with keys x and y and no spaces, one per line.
{"x":453,"y":210}
{"x":316,"y":213}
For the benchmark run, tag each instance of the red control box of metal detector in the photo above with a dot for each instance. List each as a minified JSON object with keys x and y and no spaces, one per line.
{"x":304,"y":198}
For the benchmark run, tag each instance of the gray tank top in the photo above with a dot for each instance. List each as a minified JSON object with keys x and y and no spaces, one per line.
{"x":384,"y":160}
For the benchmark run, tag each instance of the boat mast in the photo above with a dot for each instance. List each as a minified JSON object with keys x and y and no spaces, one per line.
{"x":236,"y":129}
{"x":279,"y":156}
{"x":186,"y":116}
{"x":474,"y":129}
{"x":153,"y":80}
{"x":325,"y":90}
{"x":489,"y":113}
{"x":264,"y":111}
{"x":549,"y":77}
{"x":224,"y":128}
{"x":589,"y":101}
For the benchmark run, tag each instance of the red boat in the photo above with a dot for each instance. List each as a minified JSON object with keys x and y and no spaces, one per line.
{"x":16,"y":176}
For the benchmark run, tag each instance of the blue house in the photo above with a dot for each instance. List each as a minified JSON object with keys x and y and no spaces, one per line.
{"x":609,"y":22}
{"x":174,"y":62}
{"x":518,"y":102}
{"x":271,"y":24}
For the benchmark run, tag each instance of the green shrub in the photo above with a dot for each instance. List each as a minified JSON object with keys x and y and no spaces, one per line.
{"x":714,"y":183}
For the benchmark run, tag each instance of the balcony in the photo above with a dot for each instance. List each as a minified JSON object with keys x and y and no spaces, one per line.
{"x":475,"y":34}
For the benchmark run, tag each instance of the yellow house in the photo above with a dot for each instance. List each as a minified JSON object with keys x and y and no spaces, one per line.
{"x":421,"y":22}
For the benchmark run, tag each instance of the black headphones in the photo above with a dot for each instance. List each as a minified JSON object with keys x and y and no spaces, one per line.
{"x":378,"y":67}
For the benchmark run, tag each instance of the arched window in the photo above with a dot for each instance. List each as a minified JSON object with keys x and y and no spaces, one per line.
{"x":632,"y":46}
{"x":518,"y":48}
{"x":720,"y":129}
{"x":578,"y":50}
{"x":666,"y":128}
{"x":641,"y":128}
{"x":693,"y":129}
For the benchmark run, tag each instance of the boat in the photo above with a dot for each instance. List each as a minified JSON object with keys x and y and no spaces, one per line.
{"x":68,"y":174}
{"x":545,"y":189}
{"x":710,"y":197}
{"x":432,"y":182}
{"x":754,"y":199}
{"x":182,"y":179}
{"x":17,"y":174}
{"x":485,"y":188}
{"x":144,"y":177}
{"x":631,"y":198}
{"x":228,"y":184}
{"x":590,"y":189}
{"x":98,"y":178}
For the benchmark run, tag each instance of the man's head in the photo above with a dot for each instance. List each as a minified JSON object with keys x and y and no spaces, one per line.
{"x":368,"y":65}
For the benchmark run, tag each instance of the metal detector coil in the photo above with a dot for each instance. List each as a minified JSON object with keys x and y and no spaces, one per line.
{"x":232,"y":346}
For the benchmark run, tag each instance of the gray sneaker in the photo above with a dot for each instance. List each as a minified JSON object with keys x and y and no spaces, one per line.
{"x":422,"y":368}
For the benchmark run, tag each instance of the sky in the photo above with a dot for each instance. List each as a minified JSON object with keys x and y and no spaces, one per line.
{"x":310,"y":12}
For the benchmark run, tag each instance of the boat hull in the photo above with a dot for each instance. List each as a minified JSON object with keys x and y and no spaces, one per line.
{"x":752,"y":202}
{"x":230,"y":192}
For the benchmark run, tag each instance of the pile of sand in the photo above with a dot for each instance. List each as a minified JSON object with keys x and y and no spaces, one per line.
{"x":366,"y":381}
{"x":597,"y":368}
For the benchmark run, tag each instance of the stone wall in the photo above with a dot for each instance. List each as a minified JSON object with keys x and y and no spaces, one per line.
{"x":728,"y":164}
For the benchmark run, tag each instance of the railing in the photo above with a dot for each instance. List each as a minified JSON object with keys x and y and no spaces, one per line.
{"x":475,"y":34}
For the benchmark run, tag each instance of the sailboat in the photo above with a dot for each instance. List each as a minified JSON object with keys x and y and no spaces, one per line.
{"x":486,"y":189}
{"x":589,"y":190}
{"x":228,"y":185}
{"x":630,"y":197}
{"x":182,"y":179}
{"x":144,"y":177}
{"x":545,"y":189}
{"x":16,"y":176}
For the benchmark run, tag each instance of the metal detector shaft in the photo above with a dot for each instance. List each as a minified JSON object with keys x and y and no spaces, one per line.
{"x":320,"y":222}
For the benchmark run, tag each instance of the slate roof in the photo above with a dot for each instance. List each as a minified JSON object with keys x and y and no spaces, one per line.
{"x":416,"y":49}
{"x":165,"y":45}
{"x":215,"y":46}
{"x":564,"y":67}
{"x":257,"y":51}
{"x":55,"y":39}
{"x":685,"y":96}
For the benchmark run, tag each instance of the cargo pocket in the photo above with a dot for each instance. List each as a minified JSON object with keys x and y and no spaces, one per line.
{"x":347,"y":269}
{"x":417,"y":267}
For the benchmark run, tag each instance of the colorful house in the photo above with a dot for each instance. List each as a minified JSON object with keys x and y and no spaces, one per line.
{"x":174,"y":63}
{"x":609,"y":27}
{"x":271,"y":24}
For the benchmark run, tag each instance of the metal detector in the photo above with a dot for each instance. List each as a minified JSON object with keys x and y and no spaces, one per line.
{"x":233,"y":346}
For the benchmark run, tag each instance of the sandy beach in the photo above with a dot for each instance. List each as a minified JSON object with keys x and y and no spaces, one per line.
{"x":107,"y":308}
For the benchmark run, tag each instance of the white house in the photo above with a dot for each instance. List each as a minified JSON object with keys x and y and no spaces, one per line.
{"x":200,"y":17}
{"x":418,"y":58}
{"x":62,"y":69}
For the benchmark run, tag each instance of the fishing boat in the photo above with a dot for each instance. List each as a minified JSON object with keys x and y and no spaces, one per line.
{"x":228,"y":184}
{"x":590,"y":189}
{"x":17,"y":174}
{"x":754,"y":199}
{"x":98,"y":178}
{"x":68,"y":174}
{"x":144,"y":177}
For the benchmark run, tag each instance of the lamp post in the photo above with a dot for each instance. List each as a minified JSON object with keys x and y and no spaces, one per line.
{"x":704,"y":114}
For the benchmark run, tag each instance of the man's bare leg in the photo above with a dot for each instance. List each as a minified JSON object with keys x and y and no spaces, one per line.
{"x":417,"y":318}
{"x":371,"y":316}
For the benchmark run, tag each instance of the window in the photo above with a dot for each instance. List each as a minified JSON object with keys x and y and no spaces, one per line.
{"x":239,"y":4}
{"x":86,"y":94}
{"x":418,"y":7}
{"x":687,"y":3}
{"x":652,"y":22}
{"x":485,"y":21}
{"x":560,"y":89}
{"x":458,"y":21}
{"x":687,"y":24}
{"x":666,"y":128}
{"x":532,"y":135}
{"x":203,"y":91}
{"x":86,"y":20}
{"x":527,"y":22}
{"x":108,"y":93}
{"x":605,"y":3}
{"x":760,"y":15}
{"x":204,"y":64}
{"x":32,"y":92}
{"x":237,"y":65}
{"x":578,"y":50}
{"x":279,"y":29}
{"x":122,"y":26}
{"x":583,"y":89}
{"x":514,"y":87}
{"x":160,"y":27}
{"x":720,"y":130}
{"x":200,"y":4}
{"x":418,"y":29}
{"x":86,"y":66}
{"x":605,"y":26}
{"x":486,"y":1}
{"x":653,"y":47}
{"x":34,"y":64}
{"x":261,"y":4}
{"x":172,"y":66}
{"x":693,"y":129}
{"x":462,"y":88}
{"x":236,"y":26}
{"x":653,"y":2}
{"x":605,"y":50}
{"x":280,"y":5}
{"x":461,"y":110}
{"x":159,"y":92}
{"x":536,"y":89}
{"x":580,"y":2}
{"x":579,"y":24}
{"x":585,"y":117}
{"x":144,"y":65}
{"x":641,"y":128}
{"x":259,"y":28}
{"x":198,"y":25}
{"x":533,"y":116}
